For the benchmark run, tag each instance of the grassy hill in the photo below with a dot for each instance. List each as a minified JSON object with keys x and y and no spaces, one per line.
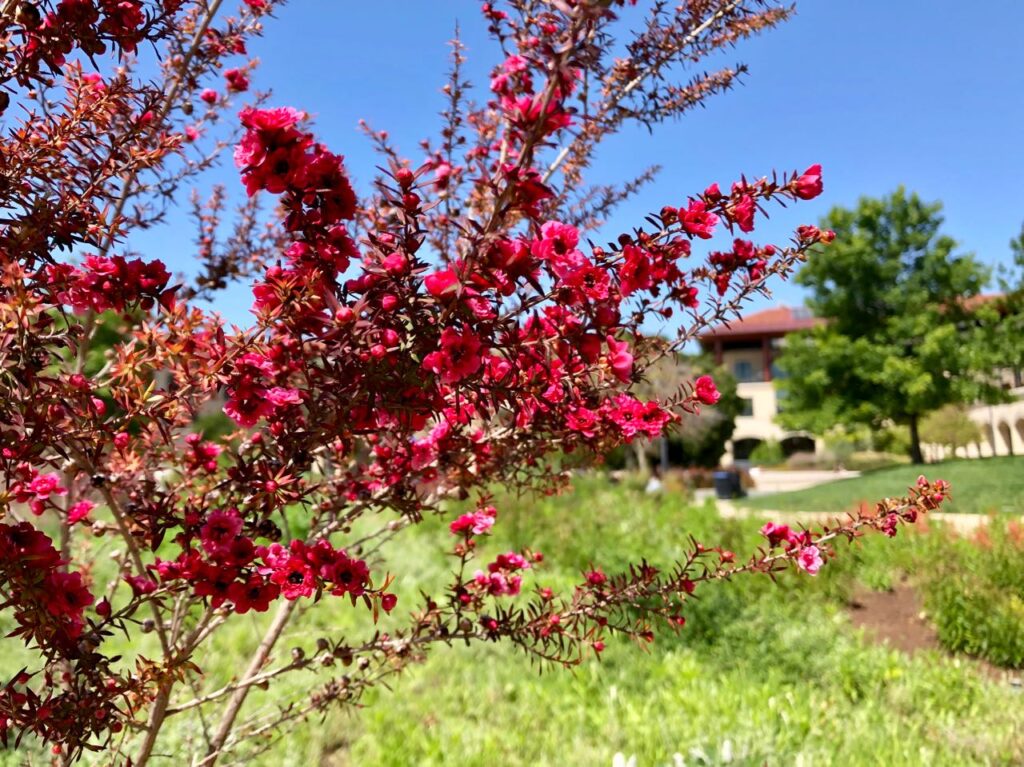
{"x":983,"y":486}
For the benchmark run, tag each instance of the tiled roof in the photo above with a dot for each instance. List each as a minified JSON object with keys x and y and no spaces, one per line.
{"x":776,"y":321}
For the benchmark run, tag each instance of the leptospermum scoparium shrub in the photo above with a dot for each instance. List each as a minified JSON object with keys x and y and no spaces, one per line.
{"x":435,"y":339}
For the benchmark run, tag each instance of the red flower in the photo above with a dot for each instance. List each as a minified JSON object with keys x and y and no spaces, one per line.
{"x":635,"y":272}
{"x":111,"y":283}
{"x":255,"y":593}
{"x":80,"y":511}
{"x":620,"y":360}
{"x":458,"y":358}
{"x":294,"y":576}
{"x":66,"y":595}
{"x":237,"y":80}
{"x":441,"y":284}
{"x":349,"y":576}
{"x":697,"y":220}
{"x":808,"y":185}
{"x":582,"y":420}
{"x":777,"y":534}
{"x":705,"y":391}
{"x":272,"y":150}
{"x":743,"y":213}
{"x":587,"y":282}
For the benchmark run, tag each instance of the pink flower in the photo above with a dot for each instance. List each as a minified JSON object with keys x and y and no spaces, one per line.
{"x":46,"y":485}
{"x":620,"y":360}
{"x":808,"y":185}
{"x":809,"y":560}
{"x":220,"y":530}
{"x":80,"y":511}
{"x":477,"y":522}
{"x":557,"y":240}
{"x":279,"y":397}
{"x":237,"y":80}
{"x":458,"y":358}
{"x":705,"y":391}
{"x":776,"y":534}
{"x":743,"y":213}
{"x":209,"y":95}
{"x":582,"y":420}
{"x":441,"y":284}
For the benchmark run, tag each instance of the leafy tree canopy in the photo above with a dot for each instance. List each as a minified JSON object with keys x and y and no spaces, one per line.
{"x":900,"y":338}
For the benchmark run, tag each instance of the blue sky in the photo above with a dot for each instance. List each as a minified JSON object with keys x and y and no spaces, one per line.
{"x":927,"y":93}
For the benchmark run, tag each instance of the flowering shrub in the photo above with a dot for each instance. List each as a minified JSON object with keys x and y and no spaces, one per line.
{"x":443,"y":334}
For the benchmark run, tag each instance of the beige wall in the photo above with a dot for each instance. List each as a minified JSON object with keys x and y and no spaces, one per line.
{"x":1002,"y":431}
{"x":762,"y":423}
{"x":754,"y":357}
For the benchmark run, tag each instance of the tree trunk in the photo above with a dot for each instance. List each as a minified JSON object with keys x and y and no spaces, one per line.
{"x":643,"y":465}
{"x":915,"y":442}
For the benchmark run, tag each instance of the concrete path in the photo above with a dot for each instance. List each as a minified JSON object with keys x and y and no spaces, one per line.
{"x":768,"y":481}
{"x":964,"y":524}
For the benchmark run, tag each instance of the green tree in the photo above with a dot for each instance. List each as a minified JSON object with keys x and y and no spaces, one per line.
{"x":1006,"y":315}
{"x":951,"y":427}
{"x":900,"y":339}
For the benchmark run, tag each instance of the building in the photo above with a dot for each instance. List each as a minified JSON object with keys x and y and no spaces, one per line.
{"x":1002,"y":425}
{"x":747,"y":348}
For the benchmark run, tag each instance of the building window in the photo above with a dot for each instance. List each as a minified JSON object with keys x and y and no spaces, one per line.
{"x":743,"y":371}
{"x":746,"y":406}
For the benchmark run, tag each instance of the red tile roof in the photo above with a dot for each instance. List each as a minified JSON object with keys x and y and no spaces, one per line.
{"x":773,"y":322}
{"x":976,"y":302}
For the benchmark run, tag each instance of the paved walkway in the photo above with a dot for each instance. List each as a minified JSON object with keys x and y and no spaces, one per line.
{"x":775,"y":481}
{"x":965,"y":524}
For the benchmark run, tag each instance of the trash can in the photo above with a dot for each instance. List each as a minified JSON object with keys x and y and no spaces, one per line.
{"x":727,"y":484}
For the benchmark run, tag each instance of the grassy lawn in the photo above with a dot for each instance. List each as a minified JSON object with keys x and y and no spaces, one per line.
{"x":763,"y":673}
{"x":982,"y":486}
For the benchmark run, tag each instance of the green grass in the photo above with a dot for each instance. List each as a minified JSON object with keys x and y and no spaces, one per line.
{"x":982,"y":486}
{"x":763,"y":673}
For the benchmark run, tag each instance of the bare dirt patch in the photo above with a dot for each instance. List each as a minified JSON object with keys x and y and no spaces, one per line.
{"x":897,"y":619}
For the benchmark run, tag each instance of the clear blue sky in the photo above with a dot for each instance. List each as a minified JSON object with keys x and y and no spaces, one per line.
{"x":927,"y":93}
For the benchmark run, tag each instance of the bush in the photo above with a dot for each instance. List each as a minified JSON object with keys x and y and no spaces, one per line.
{"x":976,"y":594}
{"x":768,"y":453}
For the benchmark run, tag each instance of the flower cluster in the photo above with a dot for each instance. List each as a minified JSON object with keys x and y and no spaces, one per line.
{"x":102,"y":283}
{"x":808,"y":556}
{"x":503,"y":576}
{"x":50,"y":601}
{"x":228,"y":567}
{"x":35,"y":489}
{"x":249,"y":396}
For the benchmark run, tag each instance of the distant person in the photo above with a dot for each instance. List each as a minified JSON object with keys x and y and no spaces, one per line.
{"x":654,"y":483}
